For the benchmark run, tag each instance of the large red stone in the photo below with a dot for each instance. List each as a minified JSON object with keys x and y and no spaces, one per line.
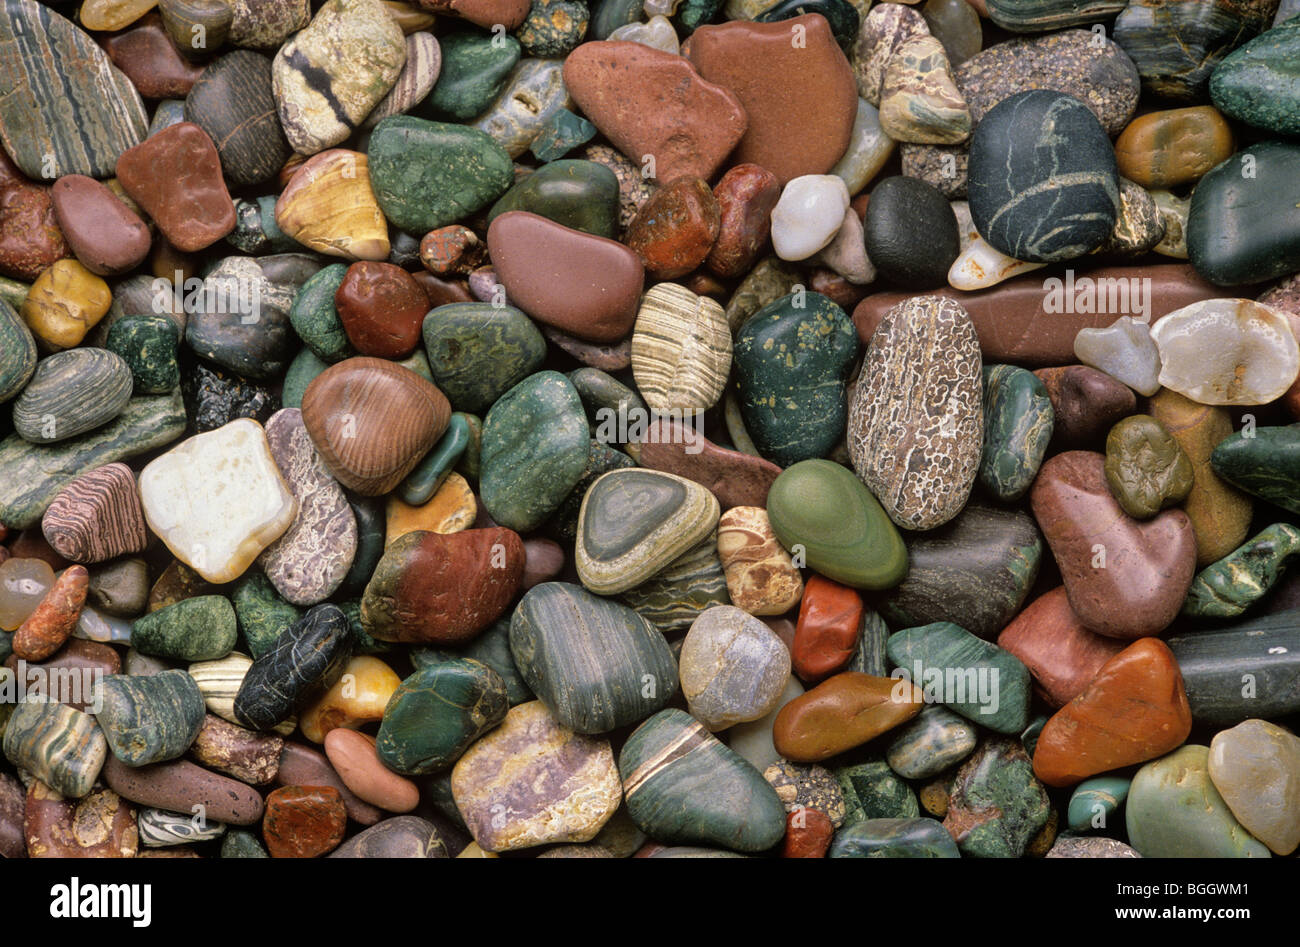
{"x":382,"y":308}
{"x":175,"y":176}
{"x":795,"y":84}
{"x":30,"y":238}
{"x":1124,"y":578}
{"x":745,"y":195}
{"x":1062,"y":655}
{"x":303,"y":821}
{"x":650,"y":103}
{"x":1134,"y":710}
{"x":830,"y":617}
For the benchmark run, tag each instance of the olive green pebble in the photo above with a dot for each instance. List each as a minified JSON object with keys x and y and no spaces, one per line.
{"x":202,"y":628}
{"x":315,"y":318}
{"x":261,"y":612}
{"x":148,"y":345}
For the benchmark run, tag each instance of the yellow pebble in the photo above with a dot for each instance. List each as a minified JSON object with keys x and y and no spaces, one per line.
{"x":451,"y":510}
{"x":113,"y":14}
{"x":358,"y":697}
{"x":64,"y":304}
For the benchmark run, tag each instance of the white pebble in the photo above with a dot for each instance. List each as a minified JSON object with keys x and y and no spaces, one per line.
{"x":808,"y":215}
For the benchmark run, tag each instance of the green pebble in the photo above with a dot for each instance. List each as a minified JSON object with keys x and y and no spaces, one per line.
{"x":492,"y":648}
{"x":480,"y":351}
{"x":874,"y":791}
{"x":304,"y":367}
{"x":581,"y":195}
{"x":240,"y":843}
{"x":563,"y":132}
{"x":1228,"y":587}
{"x":315,"y":318}
{"x":1259,"y":82}
{"x":1018,"y":421}
{"x":372,"y":530}
{"x":469,"y":464}
{"x":437,"y":712}
{"x":1147,"y":469}
{"x":202,"y":628}
{"x":1265,"y":462}
{"x":601,"y":460}
{"x":150,"y":719}
{"x":553,"y":27}
{"x":363,"y":641}
{"x":261,"y":612}
{"x":1094,"y":801}
{"x":997,"y":797}
{"x":475,"y":67}
{"x":606,"y":399}
{"x":148,"y":345}
{"x":423,"y":482}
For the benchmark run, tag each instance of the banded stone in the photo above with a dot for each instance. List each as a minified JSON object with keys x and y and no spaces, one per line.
{"x":150,"y":719}
{"x":682,"y":590}
{"x":329,"y":206}
{"x":96,"y":517}
{"x":60,"y":746}
{"x":681,"y":349}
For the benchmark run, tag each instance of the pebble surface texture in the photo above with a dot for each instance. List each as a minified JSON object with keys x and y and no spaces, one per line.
{"x":916,"y":424}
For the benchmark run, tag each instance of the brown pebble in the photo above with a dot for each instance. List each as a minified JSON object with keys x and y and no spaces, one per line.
{"x":675,"y":229}
{"x":106,"y":235}
{"x":354,"y":758}
{"x":246,"y":755}
{"x":745,"y":195}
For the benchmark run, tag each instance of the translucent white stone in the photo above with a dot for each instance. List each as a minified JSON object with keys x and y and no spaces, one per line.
{"x":1227,"y":351}
{"x":1124,"y":351}
{"x":808,"y":215}
{"x":218,"y":499}
{"x":847,"y":253}
{"x":980,"y":266}
{"x":657,"y":34}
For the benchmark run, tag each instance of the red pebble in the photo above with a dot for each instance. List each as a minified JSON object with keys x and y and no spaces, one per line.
{"x":746,"y":195}
{"x":452,"y":251}
{"x":808,"y":834}
{"x":303,"y":821}
{"x":51,"y":624}
{"x":382,"y":308}
{"x":830,"y":618}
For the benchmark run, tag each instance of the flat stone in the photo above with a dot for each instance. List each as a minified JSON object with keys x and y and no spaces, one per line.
{"x":1134,"y":710}
{"x":201,"y":628}
{"x":372,"y":420}
{"x":1146,"y":468}
{"x":609,"y":668}
{"x":773,"y":80}
{"x":150,"y":719}
{"x":1148,"y":566}
{"x":101,"y":114}
{"x":791,"y":360}
{"x":550,"y":784}
{"x":997,"y":806}
{"x":1174,"y":811}
{"x":303,"y":821}
{"x":926,"y":343}
{"x":438,"y":713}
{"x":1255,"y":767}
{"x":841,"y":713}
{"x":175,"y":177}
{"x":671,"y":753}
{"x":1062,"y":655}
{"x":443,"y":589}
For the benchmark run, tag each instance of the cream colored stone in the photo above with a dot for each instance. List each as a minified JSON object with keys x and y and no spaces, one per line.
{"x":733,"y":667}
{"x":808,"y":215}
{"x":980,"y":266}
{"x":761,"y":576}
{"x":218,"y":499}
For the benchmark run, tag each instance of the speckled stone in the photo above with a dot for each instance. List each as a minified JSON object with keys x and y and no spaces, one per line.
{"x":997,"y":806}
{"x":807,"y":787}
{"x":479,"y":351}
{"x":195,"y":629}
{"x":1265,"y":463}
{"x":437,"y":713}
{"x":925,"y":343}
{"x":919,"y":100}
{"x":148,"y":344}
{"x":872,"y":790}
{"x":609,"y":667}
{"x":534,"y":782}
{"x":475,"y":65}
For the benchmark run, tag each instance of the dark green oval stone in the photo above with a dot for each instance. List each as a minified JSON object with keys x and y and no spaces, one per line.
{"x":437,"y":712}
{"x":581,"y":195}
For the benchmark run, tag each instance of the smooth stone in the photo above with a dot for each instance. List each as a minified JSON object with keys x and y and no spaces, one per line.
{"x":1255,"y":767}
{"x":683,"y":590}
{"x":306,"y":659}
{"x":736,"y":479}
{"x":1220,"y":514}
{"x":752,"y":741}
{"x":576,"y":282}
{"x":933,"y":742}
{"x":675,"y":228}
{"x":681,"y":350}
{"x":148,"y":344}
{"x":381,"y":307}
{"x":922,"y":345}
{"x":416,"y":80}
{"x":932,"y":655}
{"x":444,"y":589}
{"x":60,"y":746}
{"x":884,"y":30}
{"x":534,"y":94}
{"x":827,"y":632}
{"x":846,"y":261}
{"x":175,"y":177}
{"x":452,"y":509}
{"x":106,"y":236}
{"x":791,"y":359}
{"x":65,"y":302}
{"x":492,"y":648}
{"x":616,"y":550}
{"x":822,"y":508}
{"x":313,"y":315}
{"x":303,"y":766}
{"x":1124,"y":578}
{"x":606,"y":399}
{"x":256,"y":504}
{"x":371,"y":421}
{"x":97,"y":517}
{"x":1078,"y":188}
{"x":50,"y":624}
{"x":426,"y":175}
{"x":399,"y":837}
{"x":663,"y":764}
{"x":38,"y":473}
{"x":1134,"y":710}
{"x":894,"y":838}
{"x":233,"y":102}
{"x":808,"y":215}
{"x":1174,"y":147}
{"x":609,"y":668}
{"x":202,"y":628}
{"x":425,"y":480}
{"x":1124,"y":351}
{"x":119,"y":588}
{"x":329,"y":206}
{"x":1265,"y":463}
{"x":761,"y":577}
{"x":733,"y":668}
{"x":1034,"y":16}
{"x":979,"y":265}
{"x":919,"y":100}
{"x":580,"y":195}
{"x":212,"y":18}
{"x":160,"y":829}
{"x":911,"y":233}
{"x":1258,"y":83}
{"x":842,"y":16}
{"x":1227,"y":351}
{"x":869,"y":149}
{"x":1087,"y":403}
{"x":1234,"y":235}
{"x":997,"y":806}
{"x":1018,"y":425}
{"x":479,"y":351}
{"x":1061,"y":654}
{"x":357,"y":698}
{"x":1244,"y":670}
{"x":843,"y":712}
{"x":551,"y":785}
{"x":774,"y":79}
{"x":535,"y":448}
{"x":150,"y":719}
{"x":475,"y":66}
{"x":1174,"y":811}
{"x":1094,"y":801}
{"x":651,"y":103}
{"x":956,"y":24}
{"x":1173,"y":212}
{"x":561,"y":133}
{"x":18,"y":361}
{"x":1234,"y":583}
{"x":303,"y":821}
{"x":1146,"y":469}
{"x":100,"y":115}
{"x":436,"y":714}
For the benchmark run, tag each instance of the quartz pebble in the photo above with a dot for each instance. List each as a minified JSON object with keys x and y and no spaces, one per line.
{"x":733,"y":668}
{"x":1124,"y":351}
